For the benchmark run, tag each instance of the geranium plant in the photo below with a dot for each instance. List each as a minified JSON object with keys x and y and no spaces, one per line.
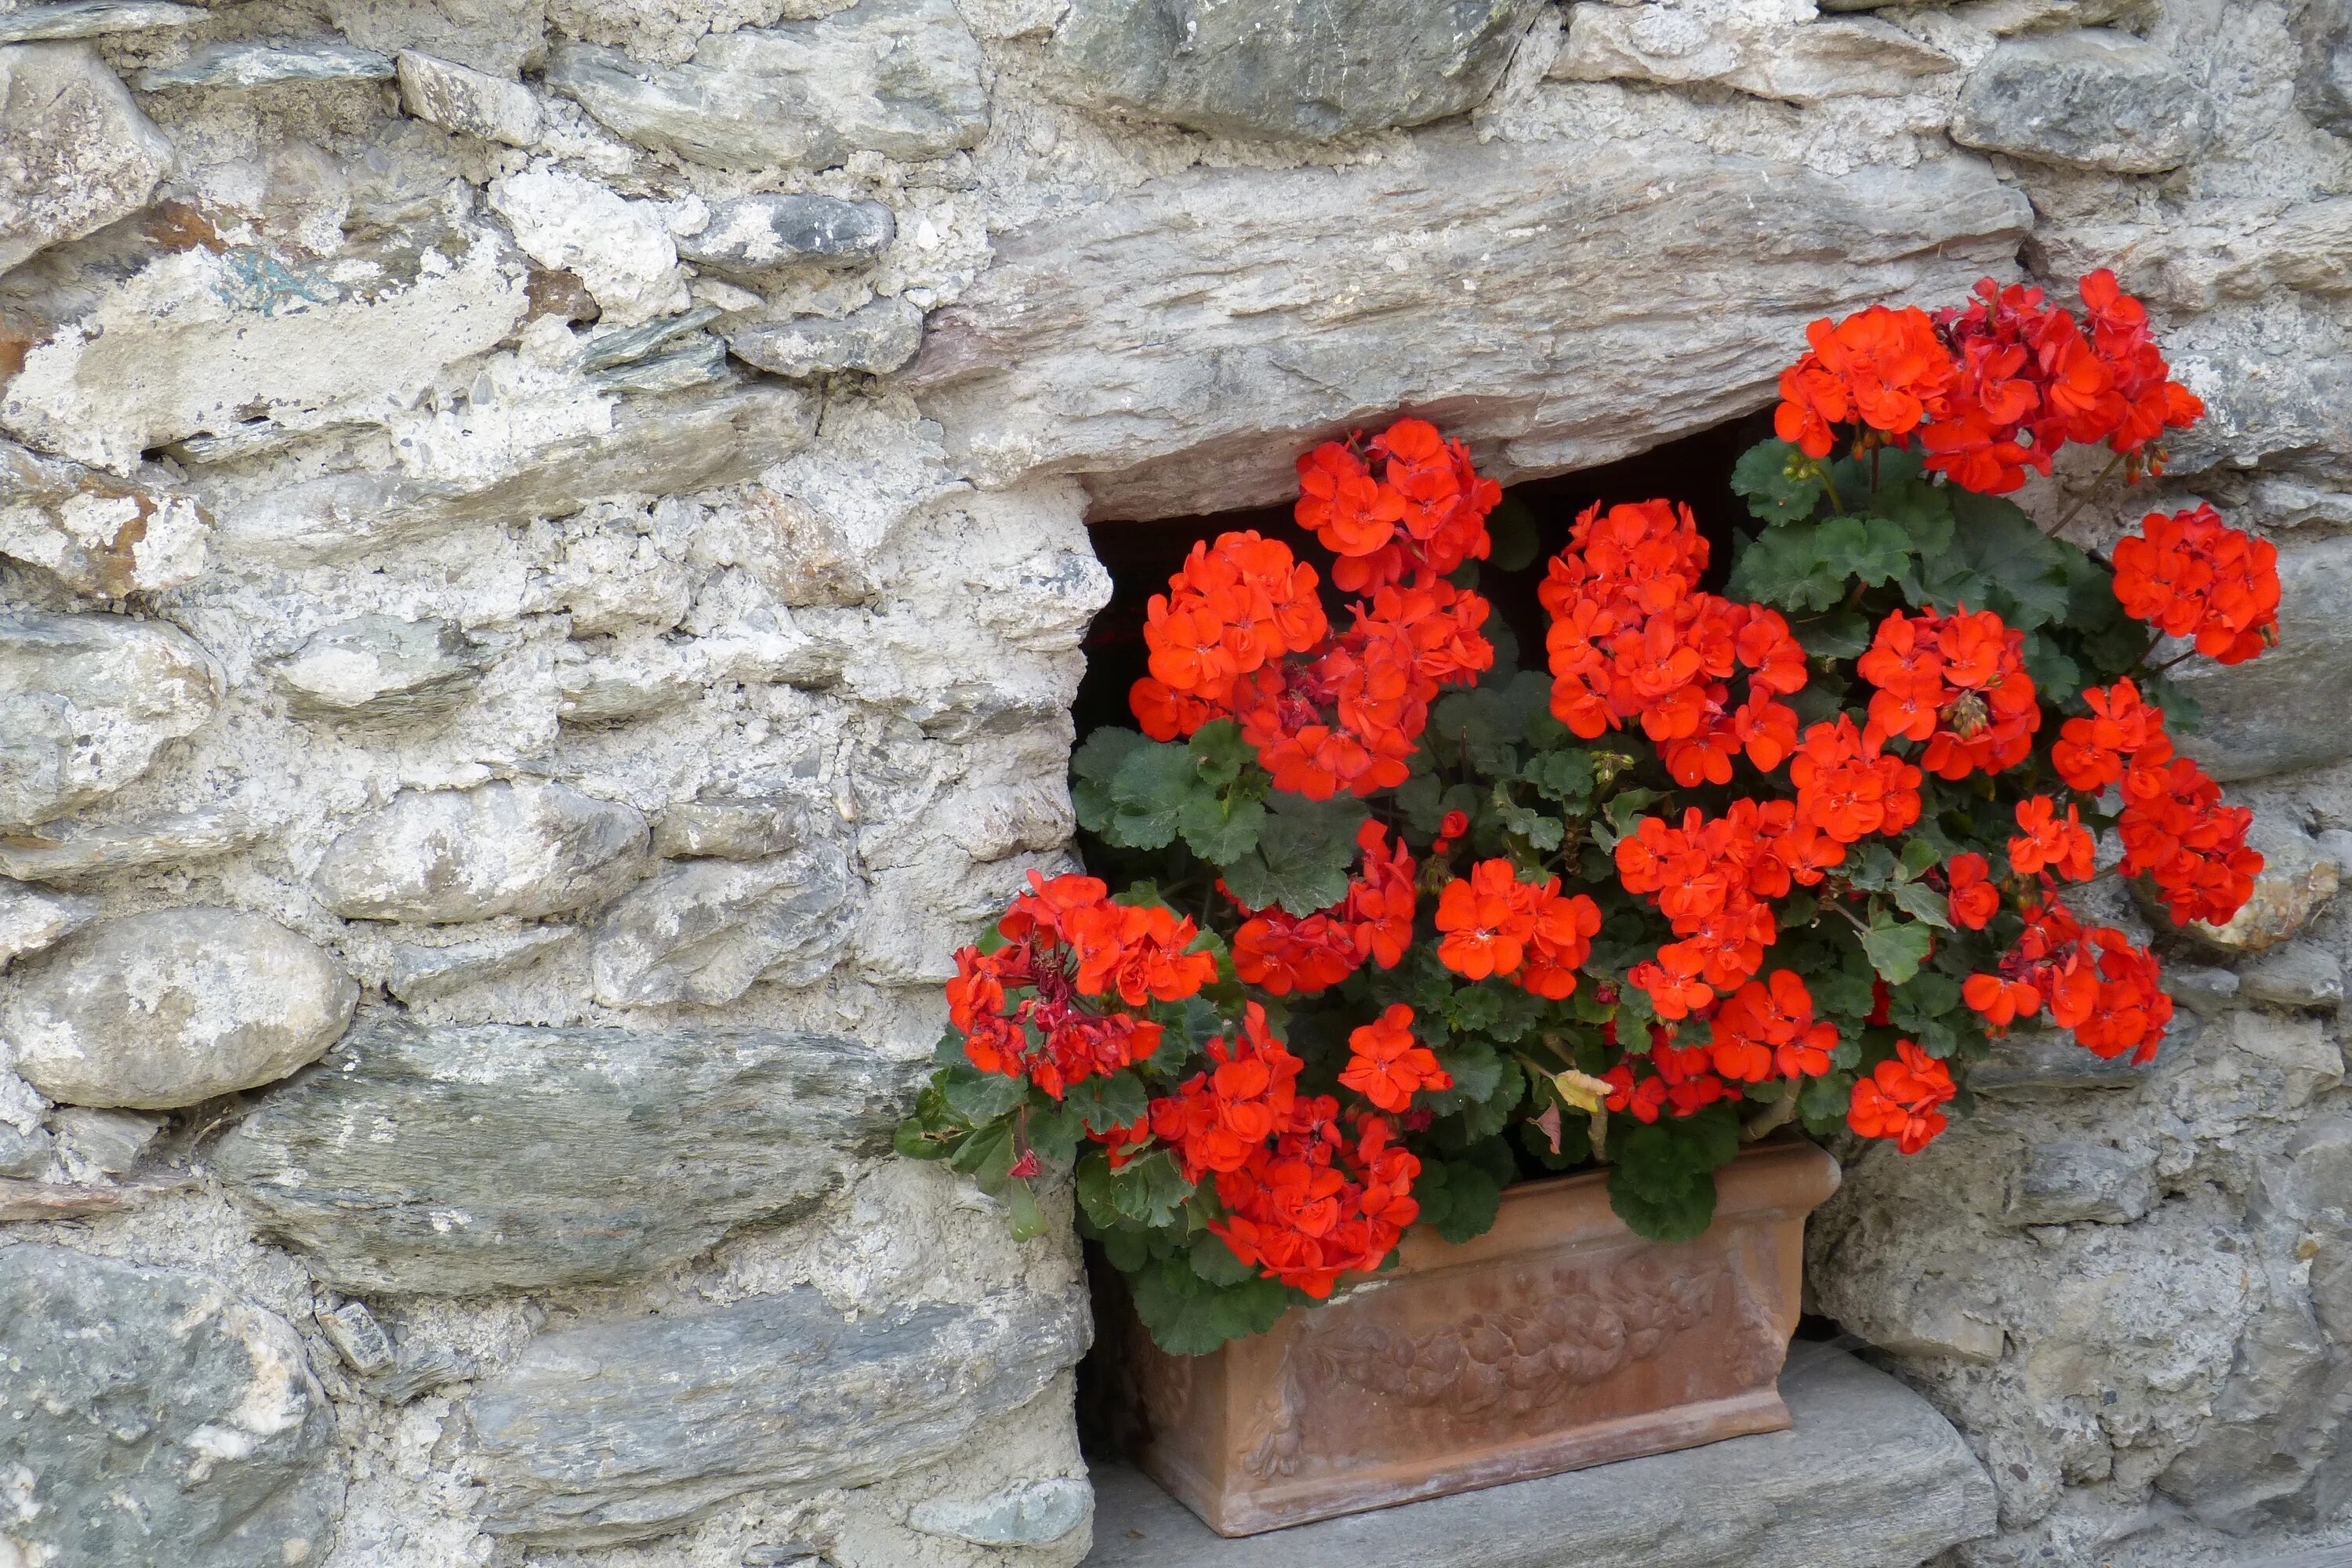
{"x":1380,"y":922}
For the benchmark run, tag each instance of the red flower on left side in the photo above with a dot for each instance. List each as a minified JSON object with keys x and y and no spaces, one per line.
{"x":1041,"y":1007}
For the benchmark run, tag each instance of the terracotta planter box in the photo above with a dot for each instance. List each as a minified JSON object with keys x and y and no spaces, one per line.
{"x":1557,"y":1339}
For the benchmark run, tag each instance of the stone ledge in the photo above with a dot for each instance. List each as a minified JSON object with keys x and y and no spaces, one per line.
{"x":1871,"y":1477}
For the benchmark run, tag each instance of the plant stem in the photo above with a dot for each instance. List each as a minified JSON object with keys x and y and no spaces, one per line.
{"x":2187,"y":653}
{"x":2105,"y":475}
{"x":1830,"y":485}
{"x":1777,"y":1114}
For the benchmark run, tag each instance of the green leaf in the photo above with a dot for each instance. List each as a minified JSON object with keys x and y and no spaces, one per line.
{"x":1187,"y":1315}
{"x":1781,"y":484}
{"x":1845,"y":990}
{"x":1822,"y":1103}
{"x":1477,"y":1070}
{"x":1511,"y":529}
{"x":1103,"y":1103}
{"x":1218,"y":747}
{"x":1099,"y":755}
{"x":986,"y":1157}
{"x":1214,"y":1262}
{"x":1923,"y":902}
{"x":1028,"y":1221}
{"x":1896,"y":949}
{"x":1565,"y":775}
{"x":1870,"y":865}
{"x":1868,"y":548}
{"x":1842,"y":634}
{"x":917,"y":1141}
{"x":1219,"y":829}
{"x":1458,"y":1198}
{"x":1923,"y":510}
{"x":1303,"y":854}
{"x":1542,"y":833}
{"x":2026,"y":570}
{"x":1148,"y":1191}
{"x":2056,"y":676}
{"x":1924,"y":999}
{"x":1147,"y":793}
{"x":1783,"y":566}
{"x":1662,"y":1181}
{"x":1918,"y":855}
{"x":979,"y":1096}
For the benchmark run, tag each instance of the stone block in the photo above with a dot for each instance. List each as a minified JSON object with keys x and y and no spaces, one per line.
{"x":80,"y":155}
{"x":422,"y":974}
{"x":1037,"y":1513}
{"x":244,"y":63}
{"x":461,"y":98}
{"x":2298,"y":974}
{"x":531,"y":849}
{"x":86,"y":701}
{"x":2092,"y":98}
{"x":756,"y":236}
{"x":32,"y":919}
{"x":153,"y":1420}
{"x":381,"y":668}
{"x":1805,"y":63}
{"x":1296,"y":69}
{"x":877,"y":338}
{"x":2323,"y":88}
{"x":92,"y":19}
{"x":619,"y":248}
{"x":2255,"y":712}
{"x":901,"y":77}
{"x":705,"y":931}
{"x":735,"y":827}
{"x":72,"y":852}
{"x":1863,"y":1447}
{"x":2066,"y":1183}
{"x":25,"y":1151}
{"x":622,"y":1430}
{"x":96,"y":1144}
{"x":97,"y":534}
{"x":512,"y":1157}
{"x":160,"y":1010}
{"x":2209,"y":993}
{"x":1254,"y":311}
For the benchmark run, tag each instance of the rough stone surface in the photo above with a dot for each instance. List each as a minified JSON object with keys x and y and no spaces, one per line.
{"x":2249,"y":726}
{"x":1781,"y":1498}
{"x":381,"y":667}
{"x":97,"y":1143}
{"x":704,"y":931}
{"x":622,"y":1430}
{"x":253,"y":64}
{"x":1033,"y":1515}
{"x":748,"y":828}
{"x":95,"y":533}
{"x":1808,"y":63}
{"x":71,"y":853}
{"x":2299,"y":974}
{"x":753,"y":235}
{"x":422,"y":973}
{"x":879,"y":338}
{"x":901,"y":77}
{"x":1304,"y":70}
{"x":459,"y":98}
{"x":2323,"y":88}
{"x":86,"y":702}
{"x":92,"y":19}
{"x":620,"y":249}
{"x":1251,"y":310}
{"x":25,"y":1153}
{"x":165,"y":1009}
{"x":2299,"y":875}
{"x":153,"y":1420}
{"x":32,"y":919}
{"x":2091,"y":100}
{"x":527,"y":849}
{"x":79,"y":154}
{"x":667,"y":1141}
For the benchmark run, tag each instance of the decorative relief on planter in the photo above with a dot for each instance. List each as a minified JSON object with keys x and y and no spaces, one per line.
{"x":1557,"y":1339}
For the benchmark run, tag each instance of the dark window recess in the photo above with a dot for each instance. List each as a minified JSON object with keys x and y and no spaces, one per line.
{"x":1141,"y":557}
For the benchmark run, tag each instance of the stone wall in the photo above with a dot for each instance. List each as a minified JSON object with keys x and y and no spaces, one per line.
{"x":541,"y":561}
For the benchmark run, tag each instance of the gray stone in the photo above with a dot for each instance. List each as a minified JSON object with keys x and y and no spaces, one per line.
{"x":2323,"y":88}
{"x":153,"y":1420}
{"x":461,"y":98}
{"x":358,"y":1337}
{"x":31,"y":920}
{"x":96,"y":1144}
{"x":531,"y":849}
{"x":1806,"y":63}
{"x":1307,"y":69}
{"x":754,"y":236}
{"x":702,"y":362}
{"x":93,"y":18}
{"x":2033,"y":1060}
{"x":25,"y":1151}
{"x":707,"y":930}
{"x":448,"y":1161}
{"x":877,"y":338}
{"x":2299,"y":974}
{"x":2208,"y":993}
{"x":69,"y":852}
{"x":901,"y":77}
{"x":607,"y":350}
{"x":1252,"y":311}
{"x":623,"y":1430}
{"x":619,"y":248}
{"x":80,"y":153}
{"x":2062,"y":1183}
{"x":1863,"y":1447}
{"x":165,"y":1009}
{"x":2255,"y":713}
{"x":499,"y":37}
{"x":98,"y":534}
{"x":593,"y":690}
{"x":672,"y":445}
{"x":422,"y":974}
{"x":251,"y":63}
{"x":86,"y":701}
{"x":2308,"y":1062}
{"x":724,"y":828}
{"x":2092,"y":99}
{"x":1036,"y":1513}
{"x":383,"y":668}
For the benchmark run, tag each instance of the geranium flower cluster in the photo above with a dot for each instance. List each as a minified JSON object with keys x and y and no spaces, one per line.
{"x":1957,"y":682}
{"x":1994,"y":389}
{"x":1850,"y":786}
{"x":1900,"y":1097}
{"x":1036,"y":1007}
{"x":2097,"y":983}
{"x":1421,"y":518}
{"x":1283,"y":953}
{"x":1632,"y":637}
{"x":1494,"y":923}
{"x":2193,"y":576}
{"x":1713,"y":881}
